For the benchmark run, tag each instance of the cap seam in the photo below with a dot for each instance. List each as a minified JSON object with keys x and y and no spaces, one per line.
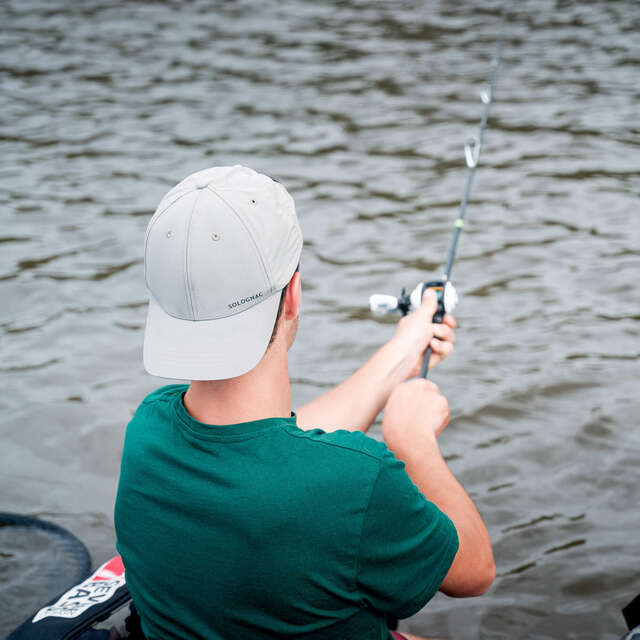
{"x":154,"y":220}
{"x":187,"y":253}
{"x":267,"y":272}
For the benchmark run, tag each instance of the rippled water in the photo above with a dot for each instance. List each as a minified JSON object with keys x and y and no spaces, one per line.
{"x":361,"y":110}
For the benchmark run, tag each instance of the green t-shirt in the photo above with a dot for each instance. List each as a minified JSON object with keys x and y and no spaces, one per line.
{"x":261,"y":530}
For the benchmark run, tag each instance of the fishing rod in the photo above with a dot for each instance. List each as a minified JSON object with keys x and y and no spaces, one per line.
{"x":382,"y":304}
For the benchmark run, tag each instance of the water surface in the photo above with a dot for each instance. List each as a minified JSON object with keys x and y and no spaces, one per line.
{"x":361,"y":109}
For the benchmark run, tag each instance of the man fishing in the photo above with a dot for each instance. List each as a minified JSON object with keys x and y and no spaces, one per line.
{"x":237,"y":518}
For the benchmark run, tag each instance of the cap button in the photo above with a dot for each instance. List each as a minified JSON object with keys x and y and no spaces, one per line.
{"x":202,"y":182}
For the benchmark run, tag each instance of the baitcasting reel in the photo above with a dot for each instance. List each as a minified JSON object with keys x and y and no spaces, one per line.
{"x":382,"y":304}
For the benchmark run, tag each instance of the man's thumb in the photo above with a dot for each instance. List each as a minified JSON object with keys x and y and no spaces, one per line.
{"x":429,"y":303}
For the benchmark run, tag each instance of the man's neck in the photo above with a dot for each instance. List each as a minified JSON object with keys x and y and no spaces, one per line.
{"x":263,"y":392}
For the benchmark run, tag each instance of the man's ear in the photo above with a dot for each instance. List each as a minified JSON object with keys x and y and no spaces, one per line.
{"x":292,"y":297}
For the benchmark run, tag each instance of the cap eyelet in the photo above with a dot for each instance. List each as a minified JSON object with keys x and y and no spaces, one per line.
{"x":253,"y":201}
{"x":215,"y":236}
{"x":169,"y":233}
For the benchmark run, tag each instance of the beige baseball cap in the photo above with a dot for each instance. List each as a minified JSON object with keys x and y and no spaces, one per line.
{"x":220,"y":247}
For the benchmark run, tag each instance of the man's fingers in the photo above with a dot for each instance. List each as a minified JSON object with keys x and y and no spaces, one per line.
{"x":450,"y":320}
{"x":441,"y":348}
{"x":425,"y":385}
{"x":403,"y":392}
{"x":444,"y":332}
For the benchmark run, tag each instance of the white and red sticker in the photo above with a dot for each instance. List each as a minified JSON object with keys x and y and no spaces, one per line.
{"x":96,"y":589}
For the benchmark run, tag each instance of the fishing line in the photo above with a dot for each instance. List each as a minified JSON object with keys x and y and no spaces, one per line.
{"x":382,"y":304}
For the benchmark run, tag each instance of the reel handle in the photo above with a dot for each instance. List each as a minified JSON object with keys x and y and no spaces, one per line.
{"x":382,"y":304}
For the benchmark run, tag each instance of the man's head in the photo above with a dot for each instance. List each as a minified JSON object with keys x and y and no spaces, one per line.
{"x":220,"y":248}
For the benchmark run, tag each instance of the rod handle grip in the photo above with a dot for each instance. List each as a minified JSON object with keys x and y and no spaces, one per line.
{"x":437,"y":319}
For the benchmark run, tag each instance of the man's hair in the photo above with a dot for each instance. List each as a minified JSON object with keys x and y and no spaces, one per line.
{"x":280,"y":308}
{"x":283,"y":295}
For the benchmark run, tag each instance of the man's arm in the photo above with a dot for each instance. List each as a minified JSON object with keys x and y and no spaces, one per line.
{"x":413,"y":418}
{"x":356,"y":402}
{"x":473,"y":569}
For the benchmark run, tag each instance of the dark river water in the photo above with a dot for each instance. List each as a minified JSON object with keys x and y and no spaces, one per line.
{"x":361,"y":109}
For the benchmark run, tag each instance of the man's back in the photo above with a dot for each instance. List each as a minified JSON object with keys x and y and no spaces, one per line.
{"x":262,"y":530}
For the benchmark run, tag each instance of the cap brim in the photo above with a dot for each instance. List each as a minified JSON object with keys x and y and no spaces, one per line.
{"x":207,"y":349}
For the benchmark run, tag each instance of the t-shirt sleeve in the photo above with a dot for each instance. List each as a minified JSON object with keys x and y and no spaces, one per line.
{"x":407,"y":544}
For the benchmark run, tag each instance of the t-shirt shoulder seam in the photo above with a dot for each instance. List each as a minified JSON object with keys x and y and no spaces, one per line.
{"x":303,"y":435}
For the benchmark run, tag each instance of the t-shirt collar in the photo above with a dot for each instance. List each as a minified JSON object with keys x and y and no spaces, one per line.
{"x":240,"y":430}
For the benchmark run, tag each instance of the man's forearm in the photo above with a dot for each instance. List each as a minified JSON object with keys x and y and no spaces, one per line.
{"x":473,"y":569}
{"x":355,"y":403}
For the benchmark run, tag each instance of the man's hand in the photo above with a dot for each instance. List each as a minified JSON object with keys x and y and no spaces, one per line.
{"x":417,"y":331}
{"x":415,"y":413}
{"x":356,"y":402}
